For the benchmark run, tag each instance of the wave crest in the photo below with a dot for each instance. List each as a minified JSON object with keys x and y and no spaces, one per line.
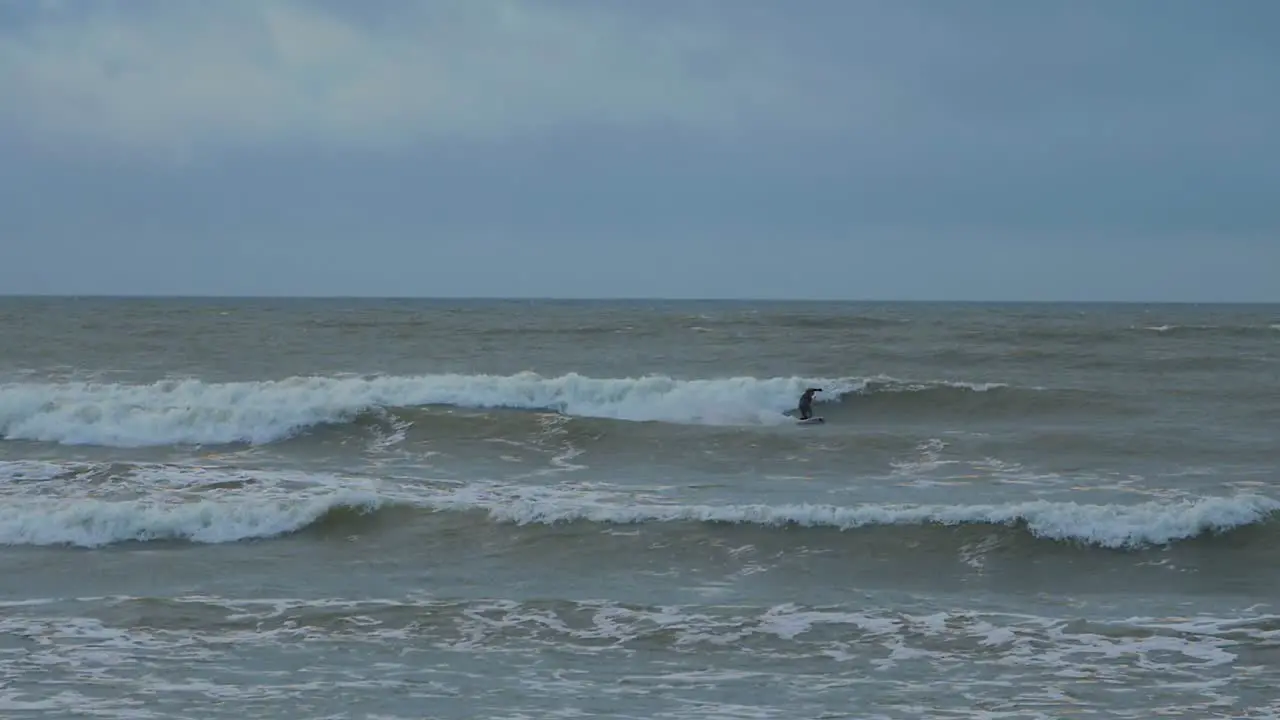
{"x":89,"y":522}
{"x":86,"y":522}
{"x":196,"y":412}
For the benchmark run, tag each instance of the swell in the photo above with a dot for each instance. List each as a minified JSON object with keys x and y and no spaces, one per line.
{"x":85,"y":522}
{"x":1083,"y":335}
{"x":1213,"y":331}
{"x":193,"y":412}
{"x":829,"y":322}
{"x":891,"y":399}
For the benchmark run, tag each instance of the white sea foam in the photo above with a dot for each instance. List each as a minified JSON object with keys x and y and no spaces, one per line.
{"x":1196,"y":668}
{"x":229,"y":515}
{"x":1113,"y":526}
{"x":89,"y":522}
{"x":197,"y":412}
{"x":29,"y":470}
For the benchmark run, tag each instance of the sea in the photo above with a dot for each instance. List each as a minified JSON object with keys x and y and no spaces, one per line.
{"x":514,"y":509}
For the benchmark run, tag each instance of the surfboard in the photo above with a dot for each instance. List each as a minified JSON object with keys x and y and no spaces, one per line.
{"x":815,"y":420}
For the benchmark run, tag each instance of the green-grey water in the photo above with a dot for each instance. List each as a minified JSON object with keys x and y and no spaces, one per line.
{"x":513,"y":509}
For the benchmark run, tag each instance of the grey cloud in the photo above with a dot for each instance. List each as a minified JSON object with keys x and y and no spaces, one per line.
{"x":896,"y":149}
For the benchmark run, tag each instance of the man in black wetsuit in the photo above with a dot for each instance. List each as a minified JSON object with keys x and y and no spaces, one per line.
{"x":806,"y":403}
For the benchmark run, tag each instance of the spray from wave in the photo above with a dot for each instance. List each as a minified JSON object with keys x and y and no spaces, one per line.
{"x":197,"y":412}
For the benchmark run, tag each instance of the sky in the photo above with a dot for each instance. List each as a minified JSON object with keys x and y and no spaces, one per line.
{"x":818,"y":149}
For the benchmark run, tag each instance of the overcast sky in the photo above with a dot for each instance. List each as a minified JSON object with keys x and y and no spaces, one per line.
{"x":1057,"y":150}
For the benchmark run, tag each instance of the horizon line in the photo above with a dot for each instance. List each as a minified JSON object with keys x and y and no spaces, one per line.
{"x":622,"y":298}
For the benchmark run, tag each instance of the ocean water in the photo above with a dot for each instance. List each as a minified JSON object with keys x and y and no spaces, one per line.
{"x":510,"y":509}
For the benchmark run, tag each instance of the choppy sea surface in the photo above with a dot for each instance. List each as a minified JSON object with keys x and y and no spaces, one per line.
{"x":537,"y":509}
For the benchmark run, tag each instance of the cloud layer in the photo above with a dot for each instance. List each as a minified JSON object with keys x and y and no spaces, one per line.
{"x":878,"y":148}
{"x":187,"y":73}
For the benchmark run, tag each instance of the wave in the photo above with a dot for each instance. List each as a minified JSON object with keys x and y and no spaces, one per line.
{"x":88,"y":522}
{"x":208,"y":413}
{"x":1109,"y":526}
{"x":1212,"y":330}
{"x":1071,"y":337}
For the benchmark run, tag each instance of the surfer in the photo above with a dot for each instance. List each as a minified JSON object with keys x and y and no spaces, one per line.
{"x":806,"y":403}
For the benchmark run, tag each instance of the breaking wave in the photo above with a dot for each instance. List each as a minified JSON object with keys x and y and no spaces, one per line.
{"x":90,"y":522}
{"x":204,"y":413}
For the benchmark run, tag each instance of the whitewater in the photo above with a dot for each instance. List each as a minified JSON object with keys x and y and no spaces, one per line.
{"x":292,"y":508}
{"x":91,"y":522}
{"x":194,"y":412}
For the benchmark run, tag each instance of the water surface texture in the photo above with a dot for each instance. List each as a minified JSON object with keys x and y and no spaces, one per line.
{"x":510,"y":509}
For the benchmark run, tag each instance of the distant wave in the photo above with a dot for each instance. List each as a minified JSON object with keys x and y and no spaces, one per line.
{"x":203,"y":413}
{"x":1212,"y":330}
{"x":93,"y":522}
{"x":1082,"y":335}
